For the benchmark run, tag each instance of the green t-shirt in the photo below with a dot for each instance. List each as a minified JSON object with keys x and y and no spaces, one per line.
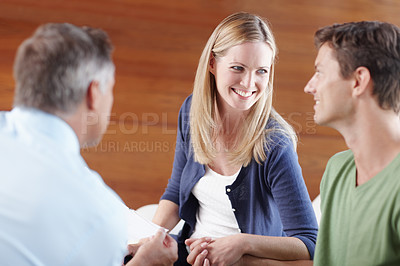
{"x":359,"y":225}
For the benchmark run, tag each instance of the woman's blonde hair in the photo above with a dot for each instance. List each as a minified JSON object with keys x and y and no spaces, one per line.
{"x":233,"y":30}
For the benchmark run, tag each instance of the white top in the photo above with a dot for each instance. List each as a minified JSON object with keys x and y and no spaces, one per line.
{"x":215,"y":216}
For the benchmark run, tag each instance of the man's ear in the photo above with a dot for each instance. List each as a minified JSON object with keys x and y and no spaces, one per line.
{"x":211,"y":66}
{"x":363,"y":81}
{"x":93,"y":95}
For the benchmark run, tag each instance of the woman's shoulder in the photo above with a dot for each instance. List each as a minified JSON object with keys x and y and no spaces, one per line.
{"x":184,"y":111}
{"x":184,"y":114}
{"x":273,"y":124}
{"x":185,"y":108}
{"x":277,"y":135}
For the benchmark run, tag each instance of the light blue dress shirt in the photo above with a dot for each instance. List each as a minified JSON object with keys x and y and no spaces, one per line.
{"x":54,"y":210}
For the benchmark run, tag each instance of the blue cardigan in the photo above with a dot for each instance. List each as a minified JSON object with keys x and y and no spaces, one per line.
{"x":269,"y":199}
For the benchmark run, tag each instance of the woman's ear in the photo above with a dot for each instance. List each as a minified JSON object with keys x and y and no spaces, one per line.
{"x":363,"y":81}
{"x":211,"y":66}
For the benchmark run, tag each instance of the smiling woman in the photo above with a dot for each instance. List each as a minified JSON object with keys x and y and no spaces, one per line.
{"x":241,"y":76}
{"x":236,"y":181}
{"x":244,"y":48}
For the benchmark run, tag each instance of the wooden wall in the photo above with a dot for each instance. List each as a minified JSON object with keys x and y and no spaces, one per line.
{"x":157,"y":47}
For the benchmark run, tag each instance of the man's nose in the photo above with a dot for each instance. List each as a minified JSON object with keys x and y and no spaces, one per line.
{"x":310,"y":86}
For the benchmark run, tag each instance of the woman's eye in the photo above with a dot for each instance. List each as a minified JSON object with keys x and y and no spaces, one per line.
{"x":262,"y":71}
{"x":237,"y":68}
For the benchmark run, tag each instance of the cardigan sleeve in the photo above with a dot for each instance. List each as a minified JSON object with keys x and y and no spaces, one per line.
{"x":290,"y":194}
{"x":172,"y":191}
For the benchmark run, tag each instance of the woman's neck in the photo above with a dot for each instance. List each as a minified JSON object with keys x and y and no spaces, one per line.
{"x":229,"y":120}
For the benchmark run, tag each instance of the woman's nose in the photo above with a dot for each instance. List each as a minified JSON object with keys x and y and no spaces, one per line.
{"x":248,"y":80}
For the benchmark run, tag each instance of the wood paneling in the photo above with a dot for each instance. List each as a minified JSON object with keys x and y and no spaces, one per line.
{"x":157,"y":47}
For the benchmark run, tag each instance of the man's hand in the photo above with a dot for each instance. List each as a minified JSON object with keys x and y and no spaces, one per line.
{"x":160,"y":249}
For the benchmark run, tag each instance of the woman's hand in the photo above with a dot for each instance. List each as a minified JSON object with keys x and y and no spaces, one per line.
{"x":198,"y":250}
{"x":226,"y":250}
{"x":221,"y":251}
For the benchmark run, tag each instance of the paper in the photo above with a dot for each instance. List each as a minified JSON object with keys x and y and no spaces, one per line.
{"x":139,"y":227}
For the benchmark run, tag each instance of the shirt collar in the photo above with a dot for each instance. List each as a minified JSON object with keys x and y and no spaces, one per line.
{"x":53,"y":128}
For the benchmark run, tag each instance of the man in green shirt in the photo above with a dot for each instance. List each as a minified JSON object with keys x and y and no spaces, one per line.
{"x":356,"y":88}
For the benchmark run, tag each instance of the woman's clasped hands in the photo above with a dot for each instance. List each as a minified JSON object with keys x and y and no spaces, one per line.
{"x":220,"y":251}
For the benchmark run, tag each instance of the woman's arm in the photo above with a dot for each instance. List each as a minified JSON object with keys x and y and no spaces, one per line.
{"x":279,"y":248}
{"x":284,"y":177}
{"x":229,"y":250}
{"x":250,"y":248}
{"x":248,"y":260}
{"x":167,"y":214}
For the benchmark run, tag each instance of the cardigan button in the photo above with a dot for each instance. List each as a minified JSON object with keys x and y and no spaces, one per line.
{"x":233,"y":209}
{"x":228,"y":190}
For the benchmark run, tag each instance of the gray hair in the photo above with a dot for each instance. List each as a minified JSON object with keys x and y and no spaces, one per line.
{"x":55,"y":66}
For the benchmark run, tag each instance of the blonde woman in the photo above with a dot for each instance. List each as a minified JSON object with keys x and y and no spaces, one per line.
{"x":236,"y":181}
